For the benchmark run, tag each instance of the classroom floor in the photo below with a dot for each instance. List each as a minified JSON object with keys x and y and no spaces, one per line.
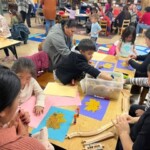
{"x":32,"y":47}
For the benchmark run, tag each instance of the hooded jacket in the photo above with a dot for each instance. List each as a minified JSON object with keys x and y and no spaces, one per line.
{"x":57,"y":45}
{"x":74,"y":66}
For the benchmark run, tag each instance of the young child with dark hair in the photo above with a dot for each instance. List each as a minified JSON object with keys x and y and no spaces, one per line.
{"x":76,"y":64}
{"x":25,"y":70}
{"x":125,"y":46}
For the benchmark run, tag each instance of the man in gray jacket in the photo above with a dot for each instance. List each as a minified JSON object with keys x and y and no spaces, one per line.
{"x":58,"y":42}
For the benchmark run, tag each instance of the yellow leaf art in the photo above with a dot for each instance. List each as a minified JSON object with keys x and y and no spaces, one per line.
{"x":55,"y":120}
{"x":92,"y":105}
{"x":107,"y":65}
{"x":124,"y":64}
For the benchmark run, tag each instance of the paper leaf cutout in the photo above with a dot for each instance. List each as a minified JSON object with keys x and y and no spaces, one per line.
{"x":107,"y":65}
{"x":124,"y":64}
{"x":92,"y":105}
{"x":55,"y":120}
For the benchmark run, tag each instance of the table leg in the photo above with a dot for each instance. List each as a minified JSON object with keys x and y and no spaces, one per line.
{"x":15,"y":51}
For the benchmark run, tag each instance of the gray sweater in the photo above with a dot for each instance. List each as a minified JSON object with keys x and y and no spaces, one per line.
{"x":57,"y":45}
{"x":141,"y":82}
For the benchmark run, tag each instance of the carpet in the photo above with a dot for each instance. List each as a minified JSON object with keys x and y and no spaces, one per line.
{"x":104,"y":48}
{"x":38,"y":37}
{"x":82,"y":31}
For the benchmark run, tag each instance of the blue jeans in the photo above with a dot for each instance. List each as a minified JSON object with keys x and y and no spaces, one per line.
{"x":48,"y":24}
{"x":141,"y":26}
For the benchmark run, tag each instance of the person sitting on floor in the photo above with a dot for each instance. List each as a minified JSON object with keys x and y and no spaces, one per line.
{"x":13,"y":123}
{"x":125,"y":46}
{"x":136,"y":135}
{"x":135,"y":109}
{"x":77,"y":64}
{"x":124,"y":15}
{"x":141,"y":68}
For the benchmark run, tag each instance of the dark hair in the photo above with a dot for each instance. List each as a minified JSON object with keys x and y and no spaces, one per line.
{"x":110,"y":9}
{"x":9,"y":87}
{"x":73,"y":7}
{"x":125,"y":8}
{"x":85,"y":45}
{"x":24,"y":64}
{"x":130,"y":30}
{"x":147,"y":9}
{"x":126,"y":12}
{"x":147,"y":33}
{"x":69,"y":23}
{"x":94,"y":10}
{"x":96,"y":6}
{"x":109,"y":1}
{"x":15,"y":13}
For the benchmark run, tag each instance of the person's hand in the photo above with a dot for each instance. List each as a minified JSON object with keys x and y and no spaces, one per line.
{"x":129,"y":118}
{"x":92,"y":63}
{"x":127,"y":61}
{"x":24,"y":117}
{"x":122,"y":125}
{"x":139,"y":112}
{"x":22,"y":129}
{"x":133,"y":56}
{"x":105,"y":76}
{"x":117,"y":55}
{"x":38,"y":110}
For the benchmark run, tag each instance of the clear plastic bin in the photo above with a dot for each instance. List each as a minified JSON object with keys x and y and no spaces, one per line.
{"x":103,"y":88}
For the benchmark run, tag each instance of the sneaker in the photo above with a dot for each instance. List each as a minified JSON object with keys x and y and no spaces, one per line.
{"x":5,"y":59}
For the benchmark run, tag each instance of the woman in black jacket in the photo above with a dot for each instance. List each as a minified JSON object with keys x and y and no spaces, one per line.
{"x":124,"y":15}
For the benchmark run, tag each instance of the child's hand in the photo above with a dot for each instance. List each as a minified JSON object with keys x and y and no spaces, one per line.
{"x":132,"y":56}
{"x":127,"y":61}
{"x":24,"y":117}
{"x":105,"y":76}
{"x":38,"y":110}
{"x":22,"y":129}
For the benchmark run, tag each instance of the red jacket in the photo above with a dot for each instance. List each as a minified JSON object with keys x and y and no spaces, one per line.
{"x":146,"y":18}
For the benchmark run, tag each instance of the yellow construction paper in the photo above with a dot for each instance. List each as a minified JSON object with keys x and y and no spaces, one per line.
{"x":124,"y":64}
{"x":98,"y":56}
{"x":57,"y":89}
{"x":55,"y":120}
{"x":92,"y":105}
{"x":107,"y":65}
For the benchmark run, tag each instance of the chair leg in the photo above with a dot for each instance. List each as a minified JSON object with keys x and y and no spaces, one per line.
{"x":143,"y":95}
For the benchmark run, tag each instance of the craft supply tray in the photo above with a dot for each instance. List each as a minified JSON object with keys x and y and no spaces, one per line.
{"x":103,"y":88}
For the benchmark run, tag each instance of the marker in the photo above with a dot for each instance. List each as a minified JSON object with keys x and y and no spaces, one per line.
{"x":75,"y":119}
{"x":78,"y":111}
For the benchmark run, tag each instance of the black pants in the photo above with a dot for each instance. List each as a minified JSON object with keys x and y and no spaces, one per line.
{"x":11,"y":48}
{"x":137,"y":89}
{"x":23,"y":15}
{"x":29,"y":15}
{"x":135,"y":107}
